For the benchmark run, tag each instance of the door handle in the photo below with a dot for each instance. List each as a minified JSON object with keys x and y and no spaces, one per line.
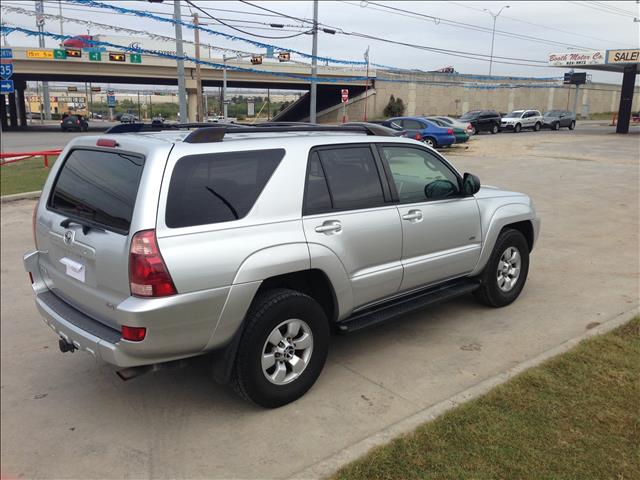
{"x":413,"y":216}
{"x":329,"y":227}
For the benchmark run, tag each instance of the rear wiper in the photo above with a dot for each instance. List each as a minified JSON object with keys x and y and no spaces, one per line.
{"x":85,"y":226}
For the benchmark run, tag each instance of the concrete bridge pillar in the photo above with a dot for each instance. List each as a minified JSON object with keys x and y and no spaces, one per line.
{"x":550,"y":96}
{"x":192,"y":104}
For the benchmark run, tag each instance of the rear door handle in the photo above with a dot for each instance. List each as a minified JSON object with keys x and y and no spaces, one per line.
{"x":329,"y":227}
{"x":413,"y":216}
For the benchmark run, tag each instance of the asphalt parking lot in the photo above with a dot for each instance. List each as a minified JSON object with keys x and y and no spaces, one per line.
{"x":65,"y":416}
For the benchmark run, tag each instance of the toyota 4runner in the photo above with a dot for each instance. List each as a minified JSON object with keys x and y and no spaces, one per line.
{"x":154,"y":244}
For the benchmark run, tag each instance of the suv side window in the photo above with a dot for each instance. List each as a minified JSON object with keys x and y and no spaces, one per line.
{"x":316,"y":193}
{"x":352,"y":177}
{"x":218,"y":187}
{"x":419,"y":175}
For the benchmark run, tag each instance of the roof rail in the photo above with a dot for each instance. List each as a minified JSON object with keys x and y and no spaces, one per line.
{"x":206,"y":132}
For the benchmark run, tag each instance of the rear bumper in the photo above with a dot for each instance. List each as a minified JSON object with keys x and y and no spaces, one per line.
{"x":177,"y":327}
{"x":446,"y":140}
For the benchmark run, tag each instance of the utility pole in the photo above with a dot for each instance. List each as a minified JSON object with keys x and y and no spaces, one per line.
{"x":182,"y":92}
{"x":60,"y":15}
{"x":314,"y":66}
{"x":223,"y":95}
{"x":45,"y":85}
{"x":199,"y":117}
{"x":493,"y":35}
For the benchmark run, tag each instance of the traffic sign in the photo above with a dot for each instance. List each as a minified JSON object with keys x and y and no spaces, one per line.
{"x":345,"y":95}
{"x":72,"y":89}
{"x":95,"y":89}
{"x":40,"y":53}
{"x":6,"y":86}
{"x":6,"y":53}
{"x":60,"y":54}
{"x":6,"y":70}
{"x":111,"y":101}
{"x":95,"y":56}
{"x":135,"y":58}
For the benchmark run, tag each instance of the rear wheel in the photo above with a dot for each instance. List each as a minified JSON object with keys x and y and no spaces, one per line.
{"x":506,"y":271}
{"x":283,"y":348}
{"x":474,"y":130}
{"x":556,"y":126}
{"x":431,"y":142}
{"x":536,"y":127}
{"x":517,"y":128}
{"x":494,"y":129}
{"x":573,"y":125}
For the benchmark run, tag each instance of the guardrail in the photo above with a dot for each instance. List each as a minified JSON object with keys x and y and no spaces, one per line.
{"x":14,"y":157}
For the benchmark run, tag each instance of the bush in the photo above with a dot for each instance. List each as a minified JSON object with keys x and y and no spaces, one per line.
{"x":395,"y":107}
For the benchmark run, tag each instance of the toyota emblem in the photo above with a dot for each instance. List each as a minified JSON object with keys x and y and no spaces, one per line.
{"x":68,"y":237}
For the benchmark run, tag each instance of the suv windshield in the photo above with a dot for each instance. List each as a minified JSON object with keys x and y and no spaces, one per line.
{"x":515,"y":114}
{"x":98,"y":187}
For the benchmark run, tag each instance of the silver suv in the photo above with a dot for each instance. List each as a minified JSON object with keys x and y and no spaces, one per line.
{"x":254,"y":243}
{"x":520,"y":119}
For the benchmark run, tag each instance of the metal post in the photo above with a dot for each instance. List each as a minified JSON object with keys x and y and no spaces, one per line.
{"x":139,"y":109}
{"x":86,"y":99}
{"x":314,"y":66}
{"x":224,"y":87}
{"x":268,"y":104}
{"x":196,"y":34}
{"x":45,"y":85}
{"x":182,"y":92}
{"x":60,"y":14}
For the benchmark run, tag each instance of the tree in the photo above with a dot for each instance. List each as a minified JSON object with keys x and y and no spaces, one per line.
{"x":395,"y":107}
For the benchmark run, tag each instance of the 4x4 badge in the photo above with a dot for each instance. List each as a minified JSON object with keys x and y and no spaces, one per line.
{"x":68,"y":237}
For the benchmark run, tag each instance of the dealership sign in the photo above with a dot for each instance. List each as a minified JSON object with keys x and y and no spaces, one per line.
{"x":623,"y":56}
{"x":572,"y":59}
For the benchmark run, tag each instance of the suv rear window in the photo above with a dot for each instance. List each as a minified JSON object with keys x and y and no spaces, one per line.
{"x":98,"y":187}
{"x":218,"y":187}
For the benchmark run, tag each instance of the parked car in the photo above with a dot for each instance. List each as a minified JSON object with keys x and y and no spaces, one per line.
{"x":520,"y":119}
{"x":555,"y":119}
{"x":96,"y":115}
{"x":482,"y":121}
{"x":635,"y":117}
{"x":74,"y":122}
{"x":252,"y":245}
{"x":420,"y":128}
{"x":129,"y":118}
{"x":221,"y":119}
{"x":157,"y":121}
{"x":466,"y":126}
{"x":460,"y":133}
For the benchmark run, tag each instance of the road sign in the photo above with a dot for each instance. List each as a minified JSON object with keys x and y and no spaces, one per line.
{"x":6,"y":70}
{"x":40,"y":54}
{"x":95,"y":89}
{"x":6,"y":53}
{"x":135,"y":58}
{"x":6,"y":86}
{"x":60,"y":54}
{"x":345,"y":95}
{"x":72,"y":89}
{"x":573,"y":78}
{"x":111,"y":101}
{"x":95,"y":56}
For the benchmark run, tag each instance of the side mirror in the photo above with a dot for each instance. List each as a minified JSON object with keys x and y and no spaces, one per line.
{"x":439,"y":189}
{"x":470,"y":184}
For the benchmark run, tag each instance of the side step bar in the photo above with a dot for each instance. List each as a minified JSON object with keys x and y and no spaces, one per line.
{"x":407,"y":304}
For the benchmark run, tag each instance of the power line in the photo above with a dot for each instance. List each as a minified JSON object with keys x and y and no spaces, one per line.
{"x":613,"y":8}
{"x":601,"y":9}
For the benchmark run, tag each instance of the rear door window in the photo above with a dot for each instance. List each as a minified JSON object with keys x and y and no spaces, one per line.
{"x":218,"y":187}
{"x":352,"y":177}
{"x":98,"y":188}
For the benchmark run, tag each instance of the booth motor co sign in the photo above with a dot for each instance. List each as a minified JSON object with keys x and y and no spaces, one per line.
{"x":571,"y":59}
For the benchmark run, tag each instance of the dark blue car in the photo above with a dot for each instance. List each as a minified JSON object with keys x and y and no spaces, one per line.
{"x":423,"y":129}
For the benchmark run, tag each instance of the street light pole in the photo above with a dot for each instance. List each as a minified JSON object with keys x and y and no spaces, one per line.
{"x":493,"y":35}
{"x":182,"y":92}
{"x":224,"y":87}
{"x":314,"y":66}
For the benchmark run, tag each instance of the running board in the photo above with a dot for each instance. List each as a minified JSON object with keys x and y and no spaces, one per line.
{"x":407,"y":304}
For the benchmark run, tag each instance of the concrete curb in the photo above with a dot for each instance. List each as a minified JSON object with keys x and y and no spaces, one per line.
{"x":20,"y":196}
{"x":331,"y":464}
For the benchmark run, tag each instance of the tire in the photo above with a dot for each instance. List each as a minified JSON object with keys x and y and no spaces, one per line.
{"x":517,"y":128}
{"x":490,"y":292}
{"x":556,"y":126}
{"x":268,"y":312}
{"x":474,"y":130}
{"x":431,"y":142}
{"x":494,"y":129}
{"x":536,"y":127}
{"x":573,"y":125}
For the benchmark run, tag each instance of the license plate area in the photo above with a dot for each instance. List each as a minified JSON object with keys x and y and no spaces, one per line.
{"x":74,"y":268}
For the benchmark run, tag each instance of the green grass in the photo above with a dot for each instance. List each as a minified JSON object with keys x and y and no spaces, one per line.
{"x":24,"y":176}
{"x":600,"y":116}
{"x":576,"y":416}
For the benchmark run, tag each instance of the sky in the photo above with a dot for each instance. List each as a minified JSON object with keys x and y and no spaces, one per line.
{"x":553,"y":26}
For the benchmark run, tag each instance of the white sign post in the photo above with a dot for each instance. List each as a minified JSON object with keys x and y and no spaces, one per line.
{"x":345,"y":98}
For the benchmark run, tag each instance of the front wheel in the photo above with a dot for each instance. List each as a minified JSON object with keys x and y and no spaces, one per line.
{"x":494,"y":129}
{"x":573,"y":125}
{"x":517,"y":128}
{"x":506,"y":271}
{"x":556,"y":126}
{"x":536,"y":127}
{"x":282,"y":350}
{"x":431,"y":142}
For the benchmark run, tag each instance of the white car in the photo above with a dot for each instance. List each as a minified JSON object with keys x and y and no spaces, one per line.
{"x":519,"y":119}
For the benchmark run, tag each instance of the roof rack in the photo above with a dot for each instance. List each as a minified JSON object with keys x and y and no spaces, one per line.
{"x":205,"y":132}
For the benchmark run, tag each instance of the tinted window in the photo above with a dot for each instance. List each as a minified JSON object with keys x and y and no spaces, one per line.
{"x":218,"y":187}
{"x":316,"y":197}
{"x":470,"y":115}
{"x":352,"y":177}
{"x":419,"y":175}
{"x":98,"y":186}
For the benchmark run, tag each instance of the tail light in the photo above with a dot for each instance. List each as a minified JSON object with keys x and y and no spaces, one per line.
{"x":450,"y":131}
{"x":133,"y":334}
{"x":78,"y":122}
{"x":148,"y":274}
{"x":418,"y":137}
{"x":33,"y":224}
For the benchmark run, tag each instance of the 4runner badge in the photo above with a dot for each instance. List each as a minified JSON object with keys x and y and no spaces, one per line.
{"x":68,"y":237}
